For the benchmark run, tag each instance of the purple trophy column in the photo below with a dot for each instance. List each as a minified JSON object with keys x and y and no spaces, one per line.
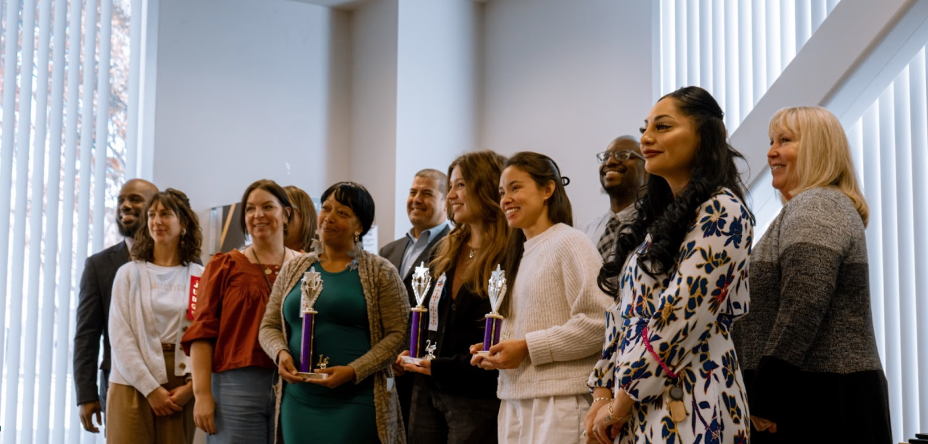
{"x":306,"y":353}
{"x":416,"y":332}
{"x":491,"y":332}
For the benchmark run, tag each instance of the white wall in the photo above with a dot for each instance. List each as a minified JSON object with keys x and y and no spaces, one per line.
{"x":437,"y":90}
{"x":564,"y":79}
{"x":375,"y":94}
{"x":373,"y":107}
{"x":248,"y":91}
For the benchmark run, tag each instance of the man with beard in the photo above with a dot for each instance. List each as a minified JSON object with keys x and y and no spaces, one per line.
{"x":94,"y":305}
{"x":425,"y":207}
{"x":622,"y":175}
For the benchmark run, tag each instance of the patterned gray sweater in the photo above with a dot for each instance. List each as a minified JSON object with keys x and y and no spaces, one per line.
{"x":810,"y":295}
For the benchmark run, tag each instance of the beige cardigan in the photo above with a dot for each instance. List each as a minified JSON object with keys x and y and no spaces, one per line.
{"x":387,"y":314}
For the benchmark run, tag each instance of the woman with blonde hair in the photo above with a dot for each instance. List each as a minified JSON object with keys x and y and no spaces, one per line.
{"x":810,"y":329}
{"x":452,"y":401}
{"x":302,"y":227}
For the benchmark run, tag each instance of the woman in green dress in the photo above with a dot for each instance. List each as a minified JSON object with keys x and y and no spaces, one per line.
{"x":359,"y":329}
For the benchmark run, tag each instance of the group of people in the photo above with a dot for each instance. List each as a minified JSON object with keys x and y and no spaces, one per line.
{"x":642,"y":328}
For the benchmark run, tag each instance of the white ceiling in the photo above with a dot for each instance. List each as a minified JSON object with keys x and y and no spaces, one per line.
{"x":337,"y":4}
{"x":346,"y":5}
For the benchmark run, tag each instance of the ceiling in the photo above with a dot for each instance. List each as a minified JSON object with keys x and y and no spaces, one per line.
{"x":346,"y":5}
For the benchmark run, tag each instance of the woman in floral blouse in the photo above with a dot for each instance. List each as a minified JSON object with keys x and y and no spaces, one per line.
{"x":668,"y":371}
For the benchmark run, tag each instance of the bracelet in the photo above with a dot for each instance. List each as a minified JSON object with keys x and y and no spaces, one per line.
{"x":595,"y":400}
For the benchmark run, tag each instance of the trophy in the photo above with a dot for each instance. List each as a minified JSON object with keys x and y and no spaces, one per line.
{"x":310,"y":288}
{"x":497,"y":291}
{"x":420,"y":287}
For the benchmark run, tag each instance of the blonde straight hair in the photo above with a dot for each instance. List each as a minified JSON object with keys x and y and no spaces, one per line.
{"x":824,"y":156}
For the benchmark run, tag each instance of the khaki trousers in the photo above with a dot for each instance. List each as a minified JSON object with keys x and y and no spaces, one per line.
{"x":547,"y":420}
{"x":130,"y":419}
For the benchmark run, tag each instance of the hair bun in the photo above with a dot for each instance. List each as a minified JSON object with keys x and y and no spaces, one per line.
{"x":565,"y":180}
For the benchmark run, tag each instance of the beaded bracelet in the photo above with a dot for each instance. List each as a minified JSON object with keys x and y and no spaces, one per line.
{"x":595,"y":400}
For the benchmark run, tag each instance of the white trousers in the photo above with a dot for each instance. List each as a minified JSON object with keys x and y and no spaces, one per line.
{"x":555,"y":420}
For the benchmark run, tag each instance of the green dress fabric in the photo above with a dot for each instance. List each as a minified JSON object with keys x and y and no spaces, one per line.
{"x":317,"y":414}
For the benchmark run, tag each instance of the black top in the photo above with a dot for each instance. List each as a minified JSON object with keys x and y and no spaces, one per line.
{"x":460,"y":324}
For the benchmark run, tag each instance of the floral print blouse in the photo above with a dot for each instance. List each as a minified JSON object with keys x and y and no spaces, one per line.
{"x":687,"y":315}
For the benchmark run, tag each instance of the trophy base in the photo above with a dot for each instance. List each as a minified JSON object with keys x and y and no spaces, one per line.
{"x":313,"y":375}
{"x":414,"y":361}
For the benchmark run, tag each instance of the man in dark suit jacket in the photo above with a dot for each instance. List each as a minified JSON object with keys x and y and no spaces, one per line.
{"x":425,"y":206}
{"x":93,"y":307}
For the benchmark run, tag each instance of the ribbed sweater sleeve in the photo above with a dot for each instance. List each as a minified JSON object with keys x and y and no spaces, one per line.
{"x":580,"y":336}
{"x":271,"y":333}
{"x":812,"y":247}
{"x":126,"y":349}
{"x":387,"y":295}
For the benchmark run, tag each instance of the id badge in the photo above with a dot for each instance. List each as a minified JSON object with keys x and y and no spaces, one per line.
{"x":433,"y":303}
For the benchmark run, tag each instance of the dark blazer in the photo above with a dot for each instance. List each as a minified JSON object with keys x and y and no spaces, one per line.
{"x":393,"y":252}
{"x":93,"y":311}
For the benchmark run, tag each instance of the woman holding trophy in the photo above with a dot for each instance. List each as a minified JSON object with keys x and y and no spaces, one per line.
{"x":334,"y":323}
{"x":452,"y":401}
{"x":554,"y":317}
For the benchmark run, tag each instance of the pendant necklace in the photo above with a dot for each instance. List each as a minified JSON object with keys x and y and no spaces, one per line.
{"x":267,"y":270}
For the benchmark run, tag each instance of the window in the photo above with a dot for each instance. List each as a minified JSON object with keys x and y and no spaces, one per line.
{"x":63,"y":150}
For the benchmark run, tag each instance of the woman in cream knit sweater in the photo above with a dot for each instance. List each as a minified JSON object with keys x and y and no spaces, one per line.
{"x":555,"y":313}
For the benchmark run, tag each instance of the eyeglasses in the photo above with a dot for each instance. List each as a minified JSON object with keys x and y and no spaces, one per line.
{"x":604,"y":156}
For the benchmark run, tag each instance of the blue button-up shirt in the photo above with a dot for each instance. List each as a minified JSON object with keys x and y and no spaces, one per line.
{"x":415,"y":247}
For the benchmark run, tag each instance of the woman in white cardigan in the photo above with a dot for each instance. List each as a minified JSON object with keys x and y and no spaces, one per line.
{"x":150,"y":399}
{"x":555,"y":314}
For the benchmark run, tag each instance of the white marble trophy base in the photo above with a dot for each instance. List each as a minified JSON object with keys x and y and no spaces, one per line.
{"x":414,"y":361}
{"x":312,"y":375}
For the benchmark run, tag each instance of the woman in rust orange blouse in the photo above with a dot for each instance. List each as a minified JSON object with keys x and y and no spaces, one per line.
{"x":232,"y":376}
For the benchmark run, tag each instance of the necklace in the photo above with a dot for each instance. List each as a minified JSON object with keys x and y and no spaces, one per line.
{"x":267,"y":270}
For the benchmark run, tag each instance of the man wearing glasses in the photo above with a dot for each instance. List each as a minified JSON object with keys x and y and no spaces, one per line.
{"x":622,"y":175}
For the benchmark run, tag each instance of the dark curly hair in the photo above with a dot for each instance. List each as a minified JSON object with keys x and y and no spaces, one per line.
{"x":542,"y":169}
{"x":188,"y":247}
{"x":667,"y":217}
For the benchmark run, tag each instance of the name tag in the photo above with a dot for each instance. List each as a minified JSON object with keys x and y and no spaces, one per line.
{"x":433,"y":303}
{"x":192,"y":303}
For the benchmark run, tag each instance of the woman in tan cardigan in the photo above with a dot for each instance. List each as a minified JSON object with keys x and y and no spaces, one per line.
{"x":360,"y":328}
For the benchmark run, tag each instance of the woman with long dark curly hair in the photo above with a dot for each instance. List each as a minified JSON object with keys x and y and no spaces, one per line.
{"x":151,"y":395}
{"x":668,"y":371}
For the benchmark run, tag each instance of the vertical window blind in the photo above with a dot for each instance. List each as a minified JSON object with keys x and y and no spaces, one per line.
{"x":890,"y":147}
{"x":733,"y":49}
{"x":66,"y":135}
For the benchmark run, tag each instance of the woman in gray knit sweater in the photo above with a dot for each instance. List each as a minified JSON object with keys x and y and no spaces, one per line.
{"x":808,"y":349}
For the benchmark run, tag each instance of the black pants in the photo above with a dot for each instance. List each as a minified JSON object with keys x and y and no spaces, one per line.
{"x":437,"y":417}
